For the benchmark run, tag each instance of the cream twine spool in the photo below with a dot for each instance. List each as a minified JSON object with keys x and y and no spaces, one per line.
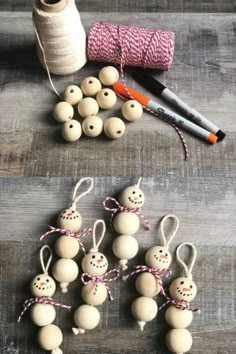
{"x":60,"y":36}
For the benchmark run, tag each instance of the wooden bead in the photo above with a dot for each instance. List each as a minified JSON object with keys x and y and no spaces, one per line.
{"x":108,"y":75}
{"x":179,"y":340}
{"x":88,"y":107}
{"x":106,"y":98}
{"x":114,"y":128}
{"x":71,"y":131}
{"x":178,"y":318}
{"x":42,"y":314}
{"x":144,"y":309}
{"x":158,"y":257}
{"x":95,"y":263}
{"x":69,"y":219}
{"x":94,"y":294}
{"x":126,"y":223}
{"x":132,"y":110}
{"x":43,"y":285}
{"x":91,"y":86}
{"x":125,"y":247}
{"x":73,"y":94}
{"x":132,"y":197}
{"x":65,"y":271}
{"x":183,"y":288}
{"x":67,"y":247}
{"x":92,"y":126}
{"x":86,"y":317}
{"x":63,"y":112}
{"x":147,"y":285}
{"x":50,"y":337}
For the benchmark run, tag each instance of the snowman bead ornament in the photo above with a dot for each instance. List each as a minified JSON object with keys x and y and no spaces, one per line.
{"x":132,"y":110}
{"x":91,"y":86}
{"x":63,"y":112}
{"x":108,"y":75}
{"x":73,"y":95}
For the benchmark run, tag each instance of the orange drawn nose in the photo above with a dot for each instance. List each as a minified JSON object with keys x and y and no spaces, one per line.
{"x":162,"y":256}
{"x":99,"y":260}
{"x":186,"y":289}
{"x":135,"y":198}
{"x":69,"y":214}
{"x":42,"y":284}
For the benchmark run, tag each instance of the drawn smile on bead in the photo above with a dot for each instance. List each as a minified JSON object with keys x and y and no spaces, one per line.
{"x":135,"y":200}
{"x":182,"y":292}
{"x":69,"y":215}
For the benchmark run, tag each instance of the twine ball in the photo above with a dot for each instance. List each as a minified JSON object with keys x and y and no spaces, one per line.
{"x":73,"y":94}
{"x":158,"y":257}
{"x":66,"y":247}
{"x":42,"y":285}
{"x":91,"y":86}
{"x":132,"y":197}
{"x":183,"y":288}
{"x":65,"y":271}
{"x":178,"y":318}
{"x":94,"y":294}
{"x":108,"y":75}
{"x":71,"y":131}
{"x":42,"y":314}
{"x":147,"y":285}
{"x":50,"y":337}
{"x":87,"y":317}
{"x":132,"y":110}
{"x":69,"y":219}
{"x":95,"y":263}
{"x":125,"y":247}
{"x":63,"y":112}
{"x":179,"y":340}
{"x":126,"y":223}
{"x":88,"y":107}
{"x":114,"y":128}
{"x":92,"y":126}
{"x":106,"y":98}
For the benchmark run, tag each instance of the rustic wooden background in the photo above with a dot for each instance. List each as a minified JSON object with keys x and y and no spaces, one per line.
{"x":38,"y":171}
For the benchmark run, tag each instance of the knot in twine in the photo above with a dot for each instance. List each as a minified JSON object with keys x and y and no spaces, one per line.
{"x":101,"y":279}
{"x":66,"y":232}
{"x":179,"y":304}
{"x":40,"y":300}
{"x":119,"y":209}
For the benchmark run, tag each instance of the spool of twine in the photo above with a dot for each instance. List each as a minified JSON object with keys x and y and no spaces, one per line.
{"x":60,"y":36}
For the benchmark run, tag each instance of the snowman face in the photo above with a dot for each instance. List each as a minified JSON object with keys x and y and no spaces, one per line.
{"x":132,"y":197}
{"x":158,"y":257}
{"x":70,"y":219}
{"x":183,"y":288}
{"x":95,"y":263}
{"x":43,"y":285}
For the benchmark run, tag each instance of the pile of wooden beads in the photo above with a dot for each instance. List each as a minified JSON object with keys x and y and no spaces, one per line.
{"x":88,"y":108}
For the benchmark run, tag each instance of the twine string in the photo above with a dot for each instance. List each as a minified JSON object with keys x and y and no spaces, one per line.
{"x":163,"y":221}
{"x":95,"y":243}
{"x":187,"y":270}
{"x":45,"y":267}
{"x":75,"y":197}
{"x":183,"y":305}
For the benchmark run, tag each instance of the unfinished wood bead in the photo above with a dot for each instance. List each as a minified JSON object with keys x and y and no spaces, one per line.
{"x":114,"y":128}
{"x":126,"y":223}
{"x":88,"y":107}
{"x":108,"y":75}
{"x":50,"y":338}
{"x":179,"y":340}
{"x":43,"y":285}
{"x":147,"y":285}
{"x":73,"y":94}
{"x":71,"y":131}
{"x":65,"y":271}
{"x":132,"y":110}
{"x":144,"y":309}
{"x":158,"y":257}
{"x":66,"y":247}
{"x":183,"y":288}
{"x":63,"y":112}
{"x":106,"y":98}
{"x":42,"y":314}
{"x":92,"y":126}
{"x":86,"y":318}
{"x":132,"y":197}
{"x":95,"y":263}
{"x":178,"y":318}
{"x":125,"y":247}
{"x":91,"y":86}
{"x":94,"y":294}
{"x":69,"y":219}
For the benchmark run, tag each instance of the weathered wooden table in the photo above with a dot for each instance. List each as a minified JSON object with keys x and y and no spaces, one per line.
{"x":38,"y":171}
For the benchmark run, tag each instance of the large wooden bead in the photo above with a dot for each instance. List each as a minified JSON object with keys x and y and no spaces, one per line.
{"x":65,"y":271}
{"x":92,"y":126}
{"x":125,"y":247}
{"x":94,"y":294}
{"x":73,"y":94}
{"x":71,"y":131}
{"x":88,"y":107}
{"x":66,"y":247}
{"x":91,"y":86}
{"x":132,"y":110}
{"x":179,"y":340}
{"x":95,"y":263}
{"x":63,"y":112}
{"x":114,"y":128}
{"x":147,"y":285}
{"x":86,"y":317}
{"x":106,"y":98}
{"x":178,"y":318}
{"x":69,"y":219}
{"x":42,"y":314}
{"x":43,"y":285}
{"x":158,"y":257}
{"x":144,"y":309}
{"x":126,"y":223}
{"x":50,"y":337}
{"x":108,"y":75}
{"x":183,"y":288}
{"x":132,"y":197}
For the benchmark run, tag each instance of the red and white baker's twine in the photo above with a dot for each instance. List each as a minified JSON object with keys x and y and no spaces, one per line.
{"x":119,"y":209}
{"x":41,"y":300}
{"x":183,"y":305}
{"x":101,"y":279}
{"x":77,"y":235}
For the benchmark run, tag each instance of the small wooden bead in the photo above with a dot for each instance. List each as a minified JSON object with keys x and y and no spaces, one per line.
{"x":108,"y":75}
{"x":144,"y":309}
{"x":42,"y":314}
{"x":71,"y":131}
{"x":106,"y":98}
{"x":67,"y":247}
{"x":65,"y":271}
{"x":95,"y":263}
{"x":183,"y":288}
{"x":92,"y":126}
{"x":43,"y":285}
{"x":94,"y":294}
{"x":158,"y":257}
{"x":86,"y":317}
{"x":91,"y":86}
{"x":73,"y":94}
{"x":69,"y":219}
{"x":147,"y":285}
{"x":126,"y":223}
{"x":178,"y":318}
{"x":88,"y":106}
{"x":179,"y":340}
{"x":63,"y":112}
{"x":114,"y":128}
{"x":50,"y":337}
{"x":125,"y":247}
{"x":132,"y":110}
{"x":132,"y":197}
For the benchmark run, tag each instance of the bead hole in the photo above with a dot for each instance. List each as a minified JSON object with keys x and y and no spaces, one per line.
{"x":91,"y":127}
{"x":132,"y":105}
{"x":90,"y":82}
{"x":105,"y":93}
{"x":71,"y":126}
{"x":71,"y":91}
{"x":118,"y":132}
